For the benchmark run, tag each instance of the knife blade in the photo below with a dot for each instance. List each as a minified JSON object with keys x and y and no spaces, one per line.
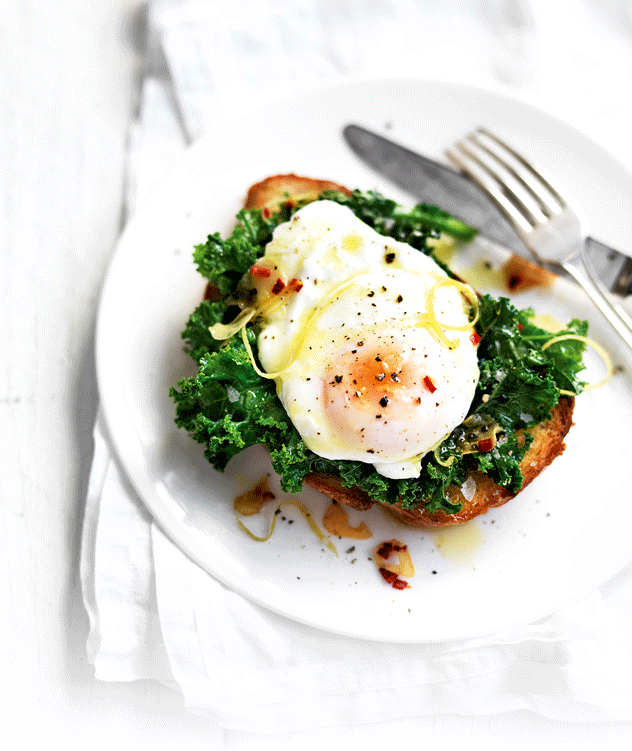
{"x":433,"y":182}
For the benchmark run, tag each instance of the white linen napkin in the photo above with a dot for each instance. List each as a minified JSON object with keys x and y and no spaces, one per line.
{"x":153,"y":612}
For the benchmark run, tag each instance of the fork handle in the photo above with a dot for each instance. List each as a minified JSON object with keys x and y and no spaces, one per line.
{"x":616,"y":317}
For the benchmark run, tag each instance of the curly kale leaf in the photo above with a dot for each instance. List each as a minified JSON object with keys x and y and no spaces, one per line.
{"x":197,"y":334}
{"x":563,"y":358}
{"x":520,"y":384}
{"x":511,"y":333}
{"x":413,"y":227}
{"x":502,"y":463}
{"x":440,"y":220}
{"x":223,"y":262}
{"x":517,"y":397}
{"x":228,"y":406}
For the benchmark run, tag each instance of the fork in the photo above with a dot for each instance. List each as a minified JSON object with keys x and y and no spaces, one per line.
{"x":543,"y":216}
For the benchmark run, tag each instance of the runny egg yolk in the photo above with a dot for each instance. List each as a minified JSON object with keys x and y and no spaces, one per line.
{"x":364,"y":380}
{"x":390,"y":397}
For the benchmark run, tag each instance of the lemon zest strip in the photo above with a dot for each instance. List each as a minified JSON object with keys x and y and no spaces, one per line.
{"x":598,"y":349}
{"x":449,"y":463}
{"x":257,"y":369}
{"x":430,"y":320}
{"x":467,"y":292}
{"x":299,"y":340}
{"x":308,"y":518}
{"x":222,"y":331}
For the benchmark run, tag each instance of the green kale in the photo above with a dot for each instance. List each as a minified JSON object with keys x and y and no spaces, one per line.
{"x":413,"y":227}
{"x":197,"y":334}
{"x":442,"y":221}
{"x":515,"y":368}
{"x":223,"y":262}
{"x":228,"y":406}
{"x":517,"y":397}
{"x":501,"y":463}
{"x":563,"y":358}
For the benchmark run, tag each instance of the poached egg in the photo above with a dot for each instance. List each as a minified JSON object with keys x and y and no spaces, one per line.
{"x":368,"y":340}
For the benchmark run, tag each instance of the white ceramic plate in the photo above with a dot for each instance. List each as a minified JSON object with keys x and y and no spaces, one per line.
{"x":546,"y":548}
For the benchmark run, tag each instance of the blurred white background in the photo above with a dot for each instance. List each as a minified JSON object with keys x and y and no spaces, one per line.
{"x":69,"y":93}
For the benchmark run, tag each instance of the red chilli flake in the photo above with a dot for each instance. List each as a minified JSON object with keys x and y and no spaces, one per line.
{"x":485,"y":445}
{"x":266,"y":213}
{"x":296,"y":285}
{"x":277,"y":286}
{"x":400,"y":584}
{"x":393,"y":579}
{"x":389,"y":576}
{"x":384,"y":551}
{"x":429,"y":384}
{"x":475,"y":338}
{"x":387,"y":548}
{"x":520,"y":327}
{"x":260,"y":271}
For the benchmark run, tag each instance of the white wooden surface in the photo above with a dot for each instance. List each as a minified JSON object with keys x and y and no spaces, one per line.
{"x":67,"y":68}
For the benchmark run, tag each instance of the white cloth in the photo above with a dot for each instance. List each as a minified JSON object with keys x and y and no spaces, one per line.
{"x":153,"y":612}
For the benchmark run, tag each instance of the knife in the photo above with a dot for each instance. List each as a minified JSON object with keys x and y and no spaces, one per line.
{"x":438,"y":184}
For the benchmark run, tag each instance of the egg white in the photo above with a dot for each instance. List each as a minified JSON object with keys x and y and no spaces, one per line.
{"x":360,"y":374}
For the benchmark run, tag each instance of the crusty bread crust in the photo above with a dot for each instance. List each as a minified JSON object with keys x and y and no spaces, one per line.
{"x":276,"y":190}
{"x":481,"y":493}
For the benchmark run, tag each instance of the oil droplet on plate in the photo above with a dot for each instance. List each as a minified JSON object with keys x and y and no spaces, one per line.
{"x":459,"y":543}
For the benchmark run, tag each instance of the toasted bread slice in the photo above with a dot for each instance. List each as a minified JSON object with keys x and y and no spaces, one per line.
{"x":479,"y":493}
{"x":276,"y":190}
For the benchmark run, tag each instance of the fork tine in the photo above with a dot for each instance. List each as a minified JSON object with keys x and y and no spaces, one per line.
{"x":492,"y":187}
{"x":536,"y":187}
{"x":512,"y":187}
{"x":537,"y":172}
